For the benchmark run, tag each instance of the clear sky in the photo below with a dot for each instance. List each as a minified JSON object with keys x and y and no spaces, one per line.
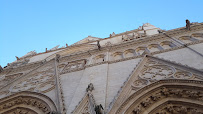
{"x":27,"y":25}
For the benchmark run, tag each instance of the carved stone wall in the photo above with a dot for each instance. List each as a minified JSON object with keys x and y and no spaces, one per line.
{"x":26,"y":103}
{"x":168,"y":97}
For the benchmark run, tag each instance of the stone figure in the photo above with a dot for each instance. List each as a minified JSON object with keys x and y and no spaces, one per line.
{"x":124,"y":38}
{"x":31,"y":53}
{"x":1,"y":69}
{"x":113,"y":34}
{"x":8,"y":64}
{"x":98,"y":45}
{"x":98,"y":109}
{"x":57,"y":57}
{"x":90,"y":87}
{"x":66,"y":45}
{"x":187,"y":24}
{"x":17,"y":58}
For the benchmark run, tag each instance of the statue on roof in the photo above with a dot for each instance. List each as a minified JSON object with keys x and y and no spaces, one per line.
{"x":90,"y":87}
{"x":57,"y":57}
{"x":1,"y":69}
{"x":110,"y":35}
{"x":31,"y":53}
{"x":98,"y":45}
{"x":113,"y":34}
{"x":17,"y":58}
{"x":187,"y":24}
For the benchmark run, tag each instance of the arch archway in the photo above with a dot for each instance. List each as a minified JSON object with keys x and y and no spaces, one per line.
{"x":165,"y":97}
{"x":27,"y":102}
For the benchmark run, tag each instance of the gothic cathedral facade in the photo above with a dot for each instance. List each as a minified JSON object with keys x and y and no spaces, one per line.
{"x":143,"y":71}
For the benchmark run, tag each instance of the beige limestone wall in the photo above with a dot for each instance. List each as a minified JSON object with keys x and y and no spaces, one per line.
{"x":78,"y":82}
{"x":69,"y":83}
{"x":184,"y":56}
{"x":117,"y":75}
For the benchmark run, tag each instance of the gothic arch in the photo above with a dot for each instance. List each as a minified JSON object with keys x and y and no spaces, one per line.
{"x":170,"y":96}
{"x":167,"y":44}
{"x":99,"y":58}
{"x":187,"y":39}
{"x":199,"y":36}
{"x":117,"y":55}
{"x":154,"y":47}
{"x":27,"y":102}
{"x":129,"y":53}
{"x":141,"y":50}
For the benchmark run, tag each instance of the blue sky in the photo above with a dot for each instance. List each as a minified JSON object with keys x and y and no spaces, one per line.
{"x":27,"y":25}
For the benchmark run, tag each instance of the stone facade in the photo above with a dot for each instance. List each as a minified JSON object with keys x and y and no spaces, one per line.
{"x":142,"y":71}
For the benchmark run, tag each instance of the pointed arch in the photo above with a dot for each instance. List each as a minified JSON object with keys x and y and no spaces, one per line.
{"x":165,"y":96}
{"x":157,"y":82}
{"x":28,"y":102}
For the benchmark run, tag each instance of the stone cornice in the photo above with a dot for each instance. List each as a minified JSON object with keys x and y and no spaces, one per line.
{"x":23,"y":68}
{"x":24,"y":75}
{"x":134,"y":57}
{"x":130,"y":43}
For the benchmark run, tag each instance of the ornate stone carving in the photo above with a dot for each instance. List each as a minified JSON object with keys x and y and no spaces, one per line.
{"x":178,"y":109}
{"x":57,"y":57}
{"x":154,"y":71}
{"x":140,"y":83}
{"x":18,"y":63}
{"x":98,"y":109}
{"x":20,"y":110}
{"x":41,"y":81}
{"x":108,"y":44}
{"x":3,"y":93}
{"x":146,"y":103}
{"x":5,"y":79}
{"x":90,"y":87}
{"x":137,"y":110}
{"x":73,"y":65}
{"x":26,"y":104}
{"x":183,"y":75}
{"x":157,"y":72}
{"x":166,"y":93}
{"x":31,"y":53}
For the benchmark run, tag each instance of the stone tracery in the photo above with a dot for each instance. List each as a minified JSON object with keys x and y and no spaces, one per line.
{"x":42,"y":81}
{"x":26,"y":103}
{"x":156,"y":71}
{"x":161,"y":99}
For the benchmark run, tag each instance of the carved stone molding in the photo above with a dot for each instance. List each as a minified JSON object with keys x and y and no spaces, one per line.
{"x":146,"y":99}
{"x":66,"y":67}
{"x":20,"y":110}
{"x":40,"y":81}
{"x":26,"y":102}
{"x":178,"y":108}
{"x":7,"y":78}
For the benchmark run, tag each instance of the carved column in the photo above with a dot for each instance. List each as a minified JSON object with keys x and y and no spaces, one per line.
{"x":59,"y":92}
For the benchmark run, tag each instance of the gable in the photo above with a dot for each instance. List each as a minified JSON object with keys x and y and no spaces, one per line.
{"x":149,"y":71}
